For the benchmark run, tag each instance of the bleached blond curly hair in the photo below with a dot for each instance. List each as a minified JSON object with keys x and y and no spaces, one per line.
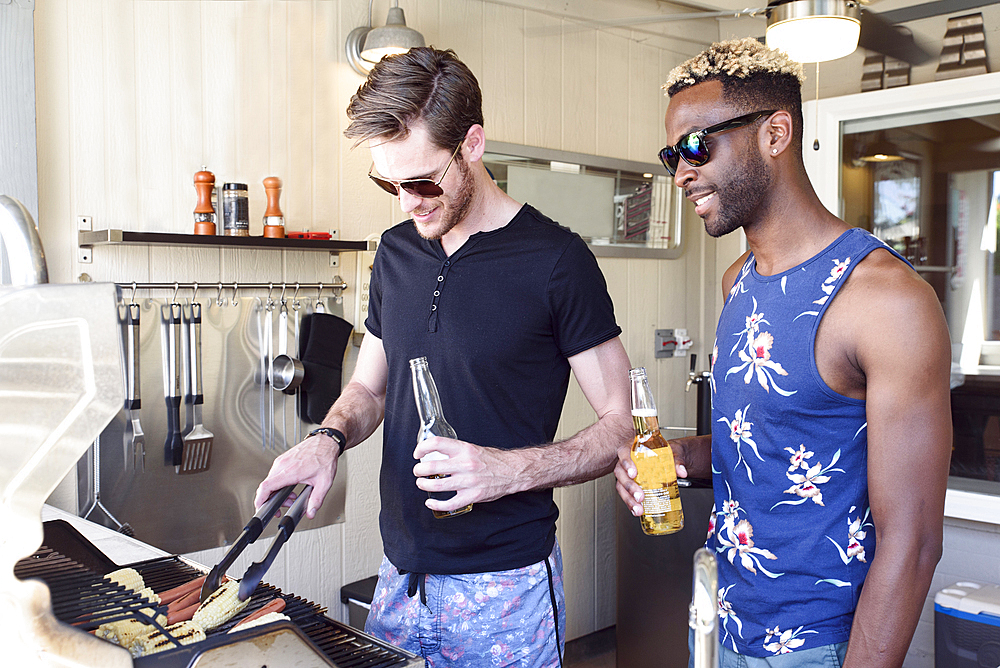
{"x":735,"y":58}
{"x":753,"y":78}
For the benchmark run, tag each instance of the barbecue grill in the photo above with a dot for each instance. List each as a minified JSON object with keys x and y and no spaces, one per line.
{"x":72,"y":568}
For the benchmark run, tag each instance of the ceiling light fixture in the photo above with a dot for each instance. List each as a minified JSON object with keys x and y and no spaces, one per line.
{"x":367,"y":45}
{"x":813,"y":31}
{"x":881,"y":150}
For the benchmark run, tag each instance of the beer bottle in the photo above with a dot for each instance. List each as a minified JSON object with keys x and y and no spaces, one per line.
{"x":654,"y":462}
{"x":432,"y":423}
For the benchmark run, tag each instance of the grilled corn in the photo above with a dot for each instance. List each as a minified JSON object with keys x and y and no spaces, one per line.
{"x":124,"y":631}
{"x":220,"y":607}
{"x":185,"y":633}
{"x":150,"y":595}
{"x":128,"y":578}
{"x":260,"y":621}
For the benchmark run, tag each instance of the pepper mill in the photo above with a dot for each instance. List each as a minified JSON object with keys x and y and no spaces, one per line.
{"x":204,"y":214}
{"x":274,"y":221}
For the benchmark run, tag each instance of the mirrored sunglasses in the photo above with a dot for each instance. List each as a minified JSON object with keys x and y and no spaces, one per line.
{"x":416,"y":187}
{"x":694,"y":149}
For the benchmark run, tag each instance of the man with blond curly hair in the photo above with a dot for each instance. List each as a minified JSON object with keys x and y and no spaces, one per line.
{"x":830,"y":389}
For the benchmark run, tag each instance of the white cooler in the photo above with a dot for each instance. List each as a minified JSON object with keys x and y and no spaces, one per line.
{"x":967,"y":626}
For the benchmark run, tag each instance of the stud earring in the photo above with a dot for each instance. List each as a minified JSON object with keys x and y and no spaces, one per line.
{"x":774,"y":150}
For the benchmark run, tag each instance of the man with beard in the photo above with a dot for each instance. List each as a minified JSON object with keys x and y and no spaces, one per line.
{"x":830,"y":389}
{"x":503,"y":303}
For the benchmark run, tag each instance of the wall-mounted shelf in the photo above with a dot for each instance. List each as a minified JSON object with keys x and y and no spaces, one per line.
{"x":108,"y":237}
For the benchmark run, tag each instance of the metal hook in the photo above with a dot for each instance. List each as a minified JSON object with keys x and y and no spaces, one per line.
{"x":295,"y":298}
{"x":319,"y":295}
{"x":131,"y":300}
{"x":173,"y":300}
{"x":194,"y":295}
{"x":282,"y":297}
{"x":270,"y":302}
{"x":218,"y":296}
{"x":233,"y":300}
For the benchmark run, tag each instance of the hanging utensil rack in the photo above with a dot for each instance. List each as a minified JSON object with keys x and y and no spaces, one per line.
{"x":232,"y":289}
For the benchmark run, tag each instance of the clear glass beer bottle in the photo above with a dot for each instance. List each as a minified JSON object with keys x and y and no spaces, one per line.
{"x":654,"y":461}
{"x":432,"y":423}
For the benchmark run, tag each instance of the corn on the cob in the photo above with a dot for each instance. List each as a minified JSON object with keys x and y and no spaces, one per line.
{"x":263,"y":619}
{"x":128,"y":578}
{"x":124,"y":631}
{"x":150,"y":595}
{"x":185,"y":633}
{"x":220,"y":607}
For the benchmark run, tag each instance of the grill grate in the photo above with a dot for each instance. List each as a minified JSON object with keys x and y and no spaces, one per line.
{"x":84,"y":598}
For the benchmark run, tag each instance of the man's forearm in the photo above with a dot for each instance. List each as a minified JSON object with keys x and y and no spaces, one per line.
{"x":357,"y":413}
{"x":589,"y":454}
{"x":891,"y":601}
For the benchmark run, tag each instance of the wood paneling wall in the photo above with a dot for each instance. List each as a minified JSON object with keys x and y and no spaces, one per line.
{"x":135,"y":96}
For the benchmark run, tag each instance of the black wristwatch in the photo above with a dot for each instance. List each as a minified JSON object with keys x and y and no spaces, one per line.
{"x":335,"y":434}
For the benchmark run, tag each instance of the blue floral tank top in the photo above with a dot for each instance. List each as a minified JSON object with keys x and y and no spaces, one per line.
{"x":791,"y":526}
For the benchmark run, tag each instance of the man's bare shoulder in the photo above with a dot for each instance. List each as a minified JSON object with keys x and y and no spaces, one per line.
{"x":732,"y":273}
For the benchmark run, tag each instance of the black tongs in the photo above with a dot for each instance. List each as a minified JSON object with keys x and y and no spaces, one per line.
{"x":251,"y":532}
{"x":287,"y":525}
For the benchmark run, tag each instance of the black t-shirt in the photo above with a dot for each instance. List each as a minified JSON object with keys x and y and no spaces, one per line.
{"x":497,"y":321}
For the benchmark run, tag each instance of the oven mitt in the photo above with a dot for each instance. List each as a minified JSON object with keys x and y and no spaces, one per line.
{"x":323,"y":340}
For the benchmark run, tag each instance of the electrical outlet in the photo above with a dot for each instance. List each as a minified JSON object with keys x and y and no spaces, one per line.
{"x":85,"y":255}
{"x":84,"y":224}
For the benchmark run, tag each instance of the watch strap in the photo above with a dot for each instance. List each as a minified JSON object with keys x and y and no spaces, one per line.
{"x":335,"y":434}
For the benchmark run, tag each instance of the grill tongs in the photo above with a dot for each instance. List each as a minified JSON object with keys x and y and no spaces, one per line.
{"x":286,"y":526}
{"x":251,"y":532}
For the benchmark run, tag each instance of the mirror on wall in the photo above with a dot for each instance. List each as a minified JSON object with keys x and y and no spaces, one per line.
{"x":622,"y":208}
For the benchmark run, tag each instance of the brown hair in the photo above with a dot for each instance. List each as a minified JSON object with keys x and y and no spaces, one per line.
{"x":424,"y":85}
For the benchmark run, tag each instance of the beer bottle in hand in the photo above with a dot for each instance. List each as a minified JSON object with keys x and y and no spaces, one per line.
{"x":432,"y":423}
{"x":654,"y":462}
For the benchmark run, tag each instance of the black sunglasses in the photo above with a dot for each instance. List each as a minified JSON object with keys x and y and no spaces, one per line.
{"x":692,"y":146}
{"x":416,"y":187}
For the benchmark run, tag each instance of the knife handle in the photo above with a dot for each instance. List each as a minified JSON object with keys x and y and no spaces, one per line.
{"x":132,"y":401}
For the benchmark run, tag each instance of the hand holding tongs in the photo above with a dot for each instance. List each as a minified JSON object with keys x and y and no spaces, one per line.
{"x":287,"y":525}
{"x":251,"y":532}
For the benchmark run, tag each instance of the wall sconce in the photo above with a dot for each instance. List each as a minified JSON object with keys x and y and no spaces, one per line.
{"x":814,"y":31}
{"x":367,"y":45}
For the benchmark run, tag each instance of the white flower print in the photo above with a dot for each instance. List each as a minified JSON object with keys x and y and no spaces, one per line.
{"x":785,"y":641}
{"x":725,"y":614}
{"x":738,"y":285}
{"x":739,"y":432}
{"x":735,"y":538}
{"x":807,"y":484}
{"x":753,"y":323}
{"x":756,"y":357}
{"x":829,"y":284}
{"x":798,"y":458}
{"x":856,"y":533}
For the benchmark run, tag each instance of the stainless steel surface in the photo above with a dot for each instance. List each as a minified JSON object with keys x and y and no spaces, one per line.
{"x":704,"y":611}
{"x":19,"y":237}
{"x":287,"y":373}
{"x":60,"y":384}
{"x":185,"y":513}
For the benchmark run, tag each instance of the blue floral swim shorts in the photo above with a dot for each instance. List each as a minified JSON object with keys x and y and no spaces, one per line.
{"x":504,"y":618}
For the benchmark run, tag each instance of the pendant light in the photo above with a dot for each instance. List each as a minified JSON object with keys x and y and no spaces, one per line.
{"x":813,"y":31}
{"x":367,"y":45}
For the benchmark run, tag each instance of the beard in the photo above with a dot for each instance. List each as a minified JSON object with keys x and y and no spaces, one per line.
{"x":454,"y":210}
{"x":739,"y":198}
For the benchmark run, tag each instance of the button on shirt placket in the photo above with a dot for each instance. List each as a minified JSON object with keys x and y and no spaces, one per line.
{"x":432,"y":320}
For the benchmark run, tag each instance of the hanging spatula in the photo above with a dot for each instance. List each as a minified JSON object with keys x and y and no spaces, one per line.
{"x":251,"y":532}
{"x":134,"y":439}
{"x":197,"y":454}
{"x":173,"y":447}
